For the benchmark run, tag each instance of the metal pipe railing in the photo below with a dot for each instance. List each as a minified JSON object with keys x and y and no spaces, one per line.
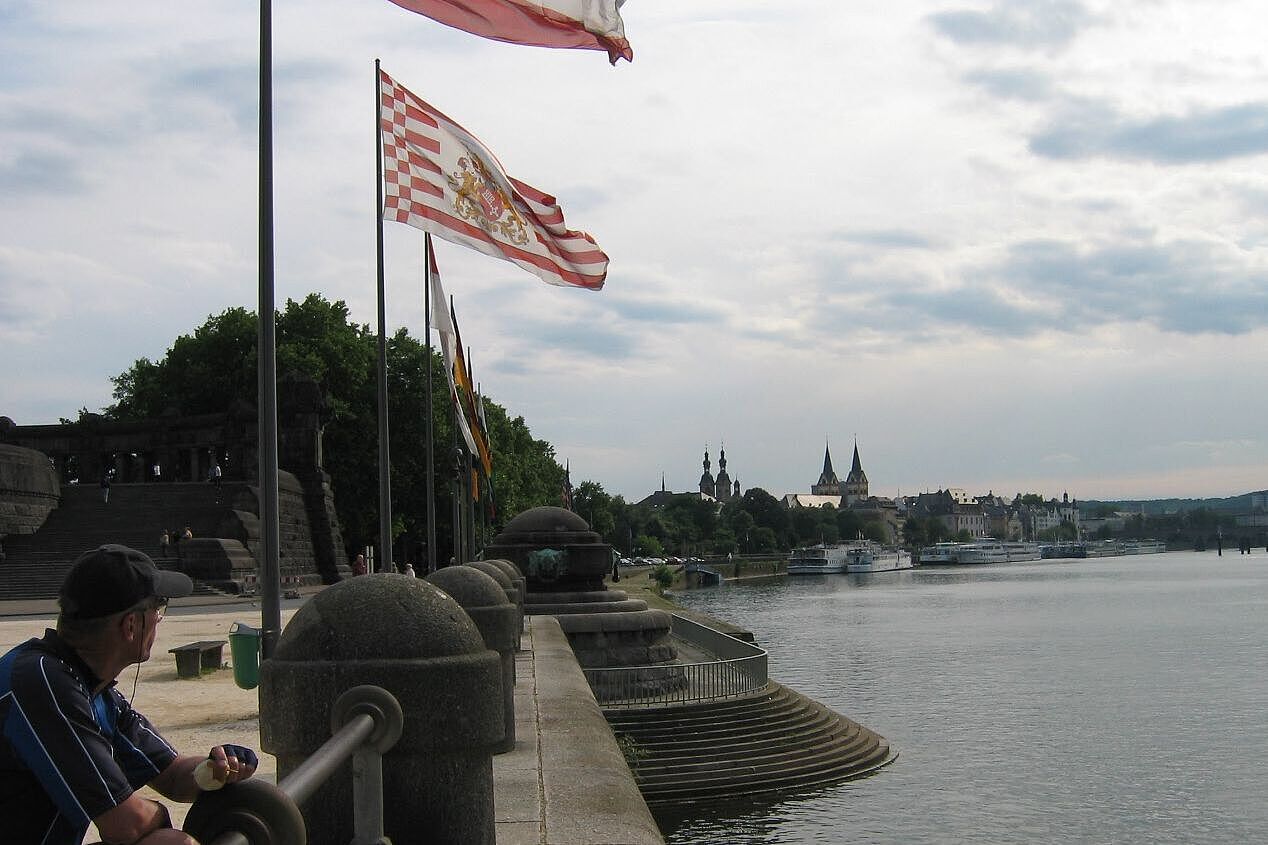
{"x":366,"y":722}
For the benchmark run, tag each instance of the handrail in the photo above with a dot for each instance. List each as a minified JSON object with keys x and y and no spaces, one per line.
{"x":741,"y":671}
{"x":366,"y":721}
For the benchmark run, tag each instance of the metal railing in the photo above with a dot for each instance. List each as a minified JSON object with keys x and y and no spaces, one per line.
{"x":366,"y":722}
{"x":740,"y":670}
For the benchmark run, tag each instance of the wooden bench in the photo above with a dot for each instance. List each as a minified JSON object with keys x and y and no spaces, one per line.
{"x":193,"y":658}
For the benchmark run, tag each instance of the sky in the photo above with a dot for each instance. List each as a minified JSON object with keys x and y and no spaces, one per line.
{"x":1010,"y":246}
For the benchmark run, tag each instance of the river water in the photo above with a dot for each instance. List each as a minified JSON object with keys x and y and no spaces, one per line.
{"x":1114,"y":700}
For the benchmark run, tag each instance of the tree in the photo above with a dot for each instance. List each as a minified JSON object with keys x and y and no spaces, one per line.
{"x":648,"y":546}
{"x":213,"y":368}
{"x":1032,"y":499}
{"x":595,"y":506}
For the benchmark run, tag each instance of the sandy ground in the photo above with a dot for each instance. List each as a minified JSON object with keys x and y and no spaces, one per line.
{"x":193,"y":714}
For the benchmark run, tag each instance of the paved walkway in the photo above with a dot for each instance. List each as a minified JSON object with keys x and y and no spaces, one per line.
{"x":564,"y":783}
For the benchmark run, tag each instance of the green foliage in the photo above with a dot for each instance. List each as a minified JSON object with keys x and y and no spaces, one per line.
{"x":1032,"y":499}
{"x":648,"y":546}
{"x":663,"y":576}
{"x":215,"y":367}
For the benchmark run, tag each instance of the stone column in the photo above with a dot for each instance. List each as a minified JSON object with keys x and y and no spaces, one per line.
{"x":498,"y":620}
{"x":412,"y":639}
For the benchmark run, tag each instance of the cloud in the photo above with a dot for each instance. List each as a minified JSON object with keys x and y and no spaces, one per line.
{"x":1094,"y":130}
{"x":39,"y":173}
{"x":1186,"y":287}
{"x":1016,"y":23}
{"x":897,"y":238}
{"x":1012,"y":83}
{"x":662,"y":311}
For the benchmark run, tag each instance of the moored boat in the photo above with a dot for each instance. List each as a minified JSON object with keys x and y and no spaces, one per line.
{"x":817,"y":560}
{"x":864,"y":558}
{"x":1143,"y":547}
{"x":939,"y":554}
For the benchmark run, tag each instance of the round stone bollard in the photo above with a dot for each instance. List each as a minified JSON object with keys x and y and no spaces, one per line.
{"x":517,"y":578}
{"x":496,"y":618}
{"x":513,"y":595}
{"x":412,"y":639}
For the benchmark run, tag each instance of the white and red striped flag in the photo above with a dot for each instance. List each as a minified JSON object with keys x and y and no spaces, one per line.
{"x":441,"y":179}
{"x":584,"y":24}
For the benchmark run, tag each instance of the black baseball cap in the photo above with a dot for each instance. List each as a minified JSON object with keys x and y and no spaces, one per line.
{"x":113,"y":578}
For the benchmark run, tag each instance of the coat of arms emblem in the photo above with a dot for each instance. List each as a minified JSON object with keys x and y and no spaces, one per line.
{"x":482,"y":201}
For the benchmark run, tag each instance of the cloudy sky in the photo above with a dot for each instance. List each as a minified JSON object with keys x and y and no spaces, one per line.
{"x":1011,"y":245}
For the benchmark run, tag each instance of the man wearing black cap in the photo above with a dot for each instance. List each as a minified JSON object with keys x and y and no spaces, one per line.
{"x":72,"y":749}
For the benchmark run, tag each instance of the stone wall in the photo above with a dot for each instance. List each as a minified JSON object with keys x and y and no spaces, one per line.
{"x":28,"y":490}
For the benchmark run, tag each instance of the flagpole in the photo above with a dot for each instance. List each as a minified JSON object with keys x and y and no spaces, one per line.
{"x":383,"y":562}
{"x":456,"y":463}
{"x":270,"y":535}
{"x":471,"y":470}
{"x":431,"y":451}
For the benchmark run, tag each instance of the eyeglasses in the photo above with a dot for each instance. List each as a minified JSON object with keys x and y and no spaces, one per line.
{"x":160,"y":608}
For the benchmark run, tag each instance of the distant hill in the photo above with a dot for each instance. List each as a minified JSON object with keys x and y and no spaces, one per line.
{"x":1151,"y":507}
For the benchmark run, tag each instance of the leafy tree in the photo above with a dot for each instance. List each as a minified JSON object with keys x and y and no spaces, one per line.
{"x":595,"y":506}
{"x":213,"y":368}
{"x":647,"y":545}
{"x":1032,"y":499}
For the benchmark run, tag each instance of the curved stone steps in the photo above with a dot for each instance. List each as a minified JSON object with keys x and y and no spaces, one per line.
{"x":778,"y":714}
{"x":845,"y":735}
{"x":808,"y":736}
{"x":787,"y":728}
{"x":743,"y":780}
{"x":776,"y":741}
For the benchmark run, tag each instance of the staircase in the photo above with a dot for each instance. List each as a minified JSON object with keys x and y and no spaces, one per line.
{"x":776,"y":741}
{"x":135,"y":516}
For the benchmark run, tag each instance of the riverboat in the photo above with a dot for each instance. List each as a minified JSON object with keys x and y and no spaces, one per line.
{"x":940,"y":554}
{"x":1142,"y":547}
{"x":982,"y":551}
{"x":1018,"y":550}
{"x":864,"y":558}
{"x":817,"y":560}
{"x":1101,"y":548}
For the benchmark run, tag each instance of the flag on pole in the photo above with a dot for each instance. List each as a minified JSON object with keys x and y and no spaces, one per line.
{"x":584,"y":24}
{"x":439,"y":178}
{"x":443,"y":324}
{"x":466,"y":390}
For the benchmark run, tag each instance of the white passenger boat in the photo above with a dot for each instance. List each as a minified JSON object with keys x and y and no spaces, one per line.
{"x":1018,"y":550}
{"x":870,"y":557}
{"x":1142,"y":547}
{"x":817,"y":560}
{"x":939,"y":554}
{"x":982,"y":551}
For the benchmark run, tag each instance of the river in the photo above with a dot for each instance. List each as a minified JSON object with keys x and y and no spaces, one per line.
{"x":1113,"y":700}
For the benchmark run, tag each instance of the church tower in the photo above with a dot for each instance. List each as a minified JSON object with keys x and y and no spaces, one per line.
{"x":706,"y":480}
{"x":829,"y":484}
{"x":723,"y":484}
{"x":855,"y":487}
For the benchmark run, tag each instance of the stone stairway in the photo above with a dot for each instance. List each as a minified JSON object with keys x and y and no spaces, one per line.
{"x":776,"y":741}
{"x":135,"y":516}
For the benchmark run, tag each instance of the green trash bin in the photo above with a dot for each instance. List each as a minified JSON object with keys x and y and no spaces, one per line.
{"x":244,"y":645}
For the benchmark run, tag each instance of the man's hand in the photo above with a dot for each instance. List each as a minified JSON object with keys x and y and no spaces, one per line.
{"x":232,"y":763}
{"x":229,"y":764}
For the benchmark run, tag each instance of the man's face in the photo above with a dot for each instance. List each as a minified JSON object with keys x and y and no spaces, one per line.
{"x":144,"y":623}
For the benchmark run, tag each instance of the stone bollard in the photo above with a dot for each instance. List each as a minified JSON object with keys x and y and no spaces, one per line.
{"x":517,"y":578}
{"x":513,"y":595}
{"x":485,"y":602}
{"x":412,"y":639}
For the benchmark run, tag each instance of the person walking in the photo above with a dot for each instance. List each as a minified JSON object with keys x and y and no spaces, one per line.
{"x":72,"y":749}
{"x":165,"y":543}
{"x":105,"y":487}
